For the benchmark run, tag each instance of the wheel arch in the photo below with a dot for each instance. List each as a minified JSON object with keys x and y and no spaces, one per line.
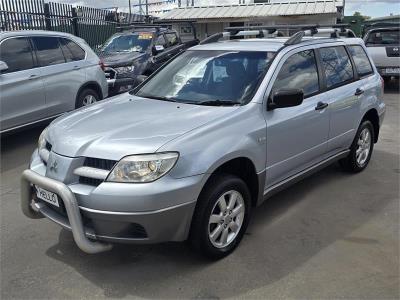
{"x":372,"y":116}
{"x":244,"y":168}
{"x":90,"y":85}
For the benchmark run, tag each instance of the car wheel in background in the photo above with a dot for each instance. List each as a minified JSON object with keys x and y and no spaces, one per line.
{"x":221,"y":216}
{"x":87,"y":97}
{"x":361,"y":149}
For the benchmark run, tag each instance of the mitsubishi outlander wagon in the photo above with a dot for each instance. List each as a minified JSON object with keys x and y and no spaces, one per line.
{"x":191,"y":152}
{"x":44,"y":74}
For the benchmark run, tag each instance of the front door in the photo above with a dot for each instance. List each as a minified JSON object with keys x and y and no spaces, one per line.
{"x":296,"y":136}
{"x":22,"y":98}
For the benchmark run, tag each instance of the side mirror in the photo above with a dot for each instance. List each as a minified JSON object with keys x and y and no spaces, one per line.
{"x":158,"y":49}
{"x":286,"y":98}
{"x":3,"y":66}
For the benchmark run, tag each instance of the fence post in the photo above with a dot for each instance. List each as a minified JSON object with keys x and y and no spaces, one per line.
{"x":47,"y":16}
{"x":75,"y":21}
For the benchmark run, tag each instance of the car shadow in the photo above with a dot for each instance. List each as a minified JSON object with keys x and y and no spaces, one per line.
{"x":286,"y":231}
{"x":17,"y":147}
{"x":392,"y":87}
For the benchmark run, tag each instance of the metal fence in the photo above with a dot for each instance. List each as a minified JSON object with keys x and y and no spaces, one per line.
{"x":92,"y":24}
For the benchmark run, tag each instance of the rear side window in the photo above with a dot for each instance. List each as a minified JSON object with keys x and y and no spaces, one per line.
{"x":48,"y":51}
{"x":363,"y":65}
{"x":299,"y":72}
{"x":71,"y":50}
{"x":17,"y":54}
{"x":337,"y":66}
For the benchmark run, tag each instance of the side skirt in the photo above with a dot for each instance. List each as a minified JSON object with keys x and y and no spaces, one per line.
{"x":303,"y":174}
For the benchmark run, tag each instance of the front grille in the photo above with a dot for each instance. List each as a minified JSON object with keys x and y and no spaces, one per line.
{"x":110,"y":73}
{"x":97,"y":163}
{"x":104,"y":164}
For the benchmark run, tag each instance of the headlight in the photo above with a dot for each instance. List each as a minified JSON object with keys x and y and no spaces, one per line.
{"x":143,"y":168}
{"x":127,"y":69}
{"x":42,"y":140}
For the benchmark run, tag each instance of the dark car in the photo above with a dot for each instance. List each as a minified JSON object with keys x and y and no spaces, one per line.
{"x":136,"y":52}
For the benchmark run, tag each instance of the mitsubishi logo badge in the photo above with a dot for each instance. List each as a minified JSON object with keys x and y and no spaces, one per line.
{"x":53,"y":166}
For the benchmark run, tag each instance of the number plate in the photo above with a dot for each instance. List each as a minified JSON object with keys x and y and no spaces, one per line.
{"x":47,"y":196}
{"x":392,"y":70}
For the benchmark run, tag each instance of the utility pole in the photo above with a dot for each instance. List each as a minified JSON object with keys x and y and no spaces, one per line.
{"x":130,"y":7}
{"x":147,"y":7}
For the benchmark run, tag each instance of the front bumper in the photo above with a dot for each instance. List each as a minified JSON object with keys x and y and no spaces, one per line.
{"x":93,"y":229}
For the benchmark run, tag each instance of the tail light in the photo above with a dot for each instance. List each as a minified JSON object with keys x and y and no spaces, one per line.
{"x":101,"y":64}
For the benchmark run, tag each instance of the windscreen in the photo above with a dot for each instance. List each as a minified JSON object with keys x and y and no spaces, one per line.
{"x":384,"y":37}
{"x":199,"y":77}
{"x":136,"y":42}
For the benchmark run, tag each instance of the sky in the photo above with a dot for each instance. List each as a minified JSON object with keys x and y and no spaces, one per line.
{"x":370,"y":8}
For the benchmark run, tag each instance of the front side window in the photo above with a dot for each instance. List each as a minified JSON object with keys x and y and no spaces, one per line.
{"x":299,"y":72}
{"x":363,"y":65}
{"x":337,"y":66}
{"x":71,"y":50}
{"x":17,"y":54}
{"x":48,"y":51}
{"x":135,"y":42}
{"x":161,"y":41}
{"x":209,"y":77}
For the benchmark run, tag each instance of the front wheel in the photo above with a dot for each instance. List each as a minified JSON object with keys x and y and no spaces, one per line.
{"x":361,"y":149}
{"x":221,"y":217}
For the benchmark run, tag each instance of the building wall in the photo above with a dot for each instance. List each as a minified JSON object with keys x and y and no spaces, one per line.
{"x":208,"y":27}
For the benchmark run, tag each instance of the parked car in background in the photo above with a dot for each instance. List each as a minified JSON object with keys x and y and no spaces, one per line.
{"x":136,"y":52}
{"x":205,"y":140}
{"x":383,"y":44}
{"x":44,"y":74}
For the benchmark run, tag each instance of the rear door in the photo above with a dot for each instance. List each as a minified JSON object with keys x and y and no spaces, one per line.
{"x":22,"y":90}
{"x":62,"y":75}
{"x":296,"y":136}
{"x":343,"y":94}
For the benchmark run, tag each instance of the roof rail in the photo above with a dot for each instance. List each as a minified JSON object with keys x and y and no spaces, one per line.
{"x":335,"y":30}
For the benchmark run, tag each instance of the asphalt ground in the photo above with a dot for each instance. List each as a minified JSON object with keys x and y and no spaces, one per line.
{"x":333,"y":235}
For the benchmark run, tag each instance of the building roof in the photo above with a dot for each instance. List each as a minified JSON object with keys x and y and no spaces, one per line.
{"x":255,"y":10}
{"x":387,"y":18}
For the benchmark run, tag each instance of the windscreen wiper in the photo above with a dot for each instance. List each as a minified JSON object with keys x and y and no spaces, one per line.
{"x":157,"y":97}
{"x":219,"y":103}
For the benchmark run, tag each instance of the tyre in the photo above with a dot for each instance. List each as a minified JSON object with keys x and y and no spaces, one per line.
{"x":361,"y":149}
{"x":221,"y":216}
{"x":87,"y":97}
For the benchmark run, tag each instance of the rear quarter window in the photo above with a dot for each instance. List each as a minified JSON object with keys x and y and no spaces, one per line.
{"x":363,"y":65}
{"x":71,"y":50}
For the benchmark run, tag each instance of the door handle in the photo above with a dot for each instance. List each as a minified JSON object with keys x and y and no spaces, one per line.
{"x":359,"y":92}
{"x":33,"y":76}
{"x":77,"y":68}
{"x":321,"y":105}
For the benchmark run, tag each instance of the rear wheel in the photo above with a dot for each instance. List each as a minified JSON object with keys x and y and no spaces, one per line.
{"x":87,"y":97}
{"x":361,"y":149}
{"x":221,"y":216}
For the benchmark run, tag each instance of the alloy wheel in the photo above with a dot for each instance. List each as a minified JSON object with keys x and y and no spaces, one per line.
{"x":226,"y":219}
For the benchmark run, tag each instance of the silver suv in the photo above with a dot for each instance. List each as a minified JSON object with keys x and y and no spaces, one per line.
{"x":205,"y":140}
{"x":44,"y":74}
